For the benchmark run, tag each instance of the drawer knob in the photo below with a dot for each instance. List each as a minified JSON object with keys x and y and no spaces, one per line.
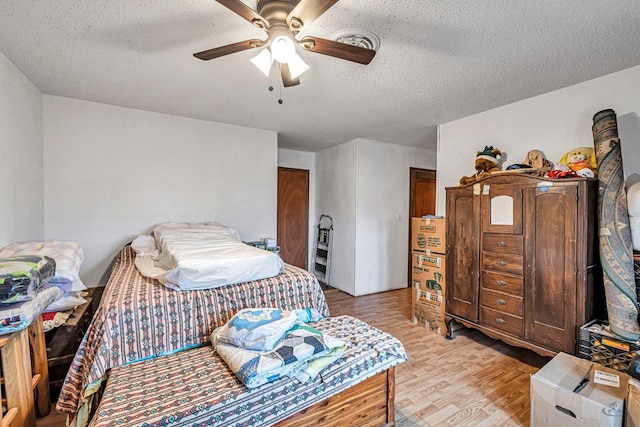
{"x":501,"y":320}
{"x":502,"y":263}
{"x":501,"y":301}
{"x":502,"y":244}
{"x":502,"y":283}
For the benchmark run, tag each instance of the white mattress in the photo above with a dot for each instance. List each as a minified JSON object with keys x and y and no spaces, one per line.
{"x":201,"y":256}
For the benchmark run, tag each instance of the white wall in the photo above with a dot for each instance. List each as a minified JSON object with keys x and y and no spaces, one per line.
{"x":21,"y":208}
{"x":111,"y":173}
{"x":382,"y":210}
{"x":554,"y":122}
{"x":336,"y":196}
{"x":304,"y":160}
{"x":364,"y":186}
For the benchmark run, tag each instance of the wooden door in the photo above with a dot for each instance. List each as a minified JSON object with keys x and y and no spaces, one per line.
{"x":293,"y":215}
{"x":422,"y":200}
{"x":422,"y":197}
{"x":550,"y":282}
{"x":462,"y":265}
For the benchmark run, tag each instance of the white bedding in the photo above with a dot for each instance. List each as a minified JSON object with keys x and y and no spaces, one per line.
{"x":201,"y":256}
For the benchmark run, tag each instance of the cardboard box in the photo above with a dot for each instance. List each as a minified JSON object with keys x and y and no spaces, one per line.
{"x":428,"y":310}
{"x":633,"y":404}
{"x":573,"y":392}
{"x":428,"y":272}
{"x":428,"y":235}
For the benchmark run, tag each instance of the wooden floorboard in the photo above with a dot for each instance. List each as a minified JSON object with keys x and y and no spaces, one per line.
{"x":471,"y":380}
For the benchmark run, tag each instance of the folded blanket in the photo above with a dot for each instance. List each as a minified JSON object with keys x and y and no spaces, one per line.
{"x":301,"y":345}
{"x":262,"y":329}
{"x":17,"y":316}
{"x":22,"y":276}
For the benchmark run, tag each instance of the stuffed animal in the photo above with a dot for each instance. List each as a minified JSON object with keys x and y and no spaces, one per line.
{"x":582,"y":161}
{"x":486,"y":162}
{"x":536,"y":160}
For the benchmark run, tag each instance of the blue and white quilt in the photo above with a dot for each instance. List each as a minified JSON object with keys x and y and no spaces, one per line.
{"x":261,"y":345}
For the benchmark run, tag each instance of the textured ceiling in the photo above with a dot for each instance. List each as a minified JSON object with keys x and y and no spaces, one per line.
{"x":439,"y":60}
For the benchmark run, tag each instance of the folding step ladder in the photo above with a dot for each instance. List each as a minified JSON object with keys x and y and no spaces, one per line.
{"x":322,"y":250}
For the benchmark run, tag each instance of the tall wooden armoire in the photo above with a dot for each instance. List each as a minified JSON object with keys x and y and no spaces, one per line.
{"x":521,"y":257}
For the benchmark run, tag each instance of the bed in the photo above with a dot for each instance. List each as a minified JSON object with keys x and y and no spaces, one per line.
{"x":139,"y":318}
{"x":196,"y":388}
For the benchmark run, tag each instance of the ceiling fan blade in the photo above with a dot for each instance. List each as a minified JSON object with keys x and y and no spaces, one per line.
{"x":241,"y":9}
{"x":307,"y":11}
{"x":228,"y":49}
{"x":287,"y":81}
{"x":338,"y":50}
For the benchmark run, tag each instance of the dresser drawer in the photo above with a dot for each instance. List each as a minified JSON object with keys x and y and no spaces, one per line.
{"x":502,"y":321}
{"x":502,"y":243}
{"x":502,"y":282}
{"x":503,"y":302}
{"x":503,"y":263}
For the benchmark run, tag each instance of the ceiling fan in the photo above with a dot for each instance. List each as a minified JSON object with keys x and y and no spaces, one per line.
{"x":283,"y":20}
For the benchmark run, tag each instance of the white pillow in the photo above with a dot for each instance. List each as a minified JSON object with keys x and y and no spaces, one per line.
{"x":76,"y":285}
{"x":68,"y":257}
{"x":67,"y":302}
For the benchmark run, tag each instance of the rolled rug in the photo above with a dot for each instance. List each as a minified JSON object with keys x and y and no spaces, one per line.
{"x":616,"y":255}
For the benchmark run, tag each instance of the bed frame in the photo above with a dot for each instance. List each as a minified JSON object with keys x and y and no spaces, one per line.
{"x":369,"y":403}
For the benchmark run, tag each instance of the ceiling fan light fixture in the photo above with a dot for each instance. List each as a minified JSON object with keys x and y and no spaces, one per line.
{"x":263,"y":61}
{"x":297,"y":66}
{"x":283,"y":49}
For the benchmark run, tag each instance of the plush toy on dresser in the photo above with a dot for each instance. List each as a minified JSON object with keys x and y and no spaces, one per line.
{"x":581,"y":160}
{"x":486,"y":162}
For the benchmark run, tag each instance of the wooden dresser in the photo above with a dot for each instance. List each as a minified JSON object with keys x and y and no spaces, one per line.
{"x":522,"y":259}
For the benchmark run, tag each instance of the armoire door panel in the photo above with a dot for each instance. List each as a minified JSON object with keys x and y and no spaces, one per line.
{"x":462,"y":249}
{"x":552,"y":273}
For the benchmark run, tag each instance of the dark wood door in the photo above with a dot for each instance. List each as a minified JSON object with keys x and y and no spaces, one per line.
{"x":293,"y":215}
{"x":550,"y":294}
{"x":422,"y":197}
{"x":463,"y":246}
{"x":422,"y":201}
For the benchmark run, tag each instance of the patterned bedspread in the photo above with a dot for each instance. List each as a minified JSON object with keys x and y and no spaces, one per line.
{"x":139,"y":318}
{"x":196,"y":388}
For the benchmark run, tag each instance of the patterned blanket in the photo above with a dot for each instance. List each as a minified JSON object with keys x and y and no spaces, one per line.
{"x":301,"y":345}
{"x":138,"y":318}
{"x":196,"y":387}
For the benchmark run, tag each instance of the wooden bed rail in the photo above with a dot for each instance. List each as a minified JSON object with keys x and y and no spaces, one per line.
{"x":21,"y":381}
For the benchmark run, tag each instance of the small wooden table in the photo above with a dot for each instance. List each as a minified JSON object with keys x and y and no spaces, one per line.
{"x":27,"y":387}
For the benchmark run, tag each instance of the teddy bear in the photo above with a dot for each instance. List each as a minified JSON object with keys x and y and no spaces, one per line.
{"x":486,"y":162}
{"x":582,"y":161}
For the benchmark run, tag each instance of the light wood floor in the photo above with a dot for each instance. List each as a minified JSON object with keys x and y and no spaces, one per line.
{"x":471,"y":380}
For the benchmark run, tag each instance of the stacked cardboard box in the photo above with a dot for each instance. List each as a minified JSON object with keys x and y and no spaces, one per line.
{"x":633,"y":404}
{"x":569,"y":392}
{"x":428,"y":272}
